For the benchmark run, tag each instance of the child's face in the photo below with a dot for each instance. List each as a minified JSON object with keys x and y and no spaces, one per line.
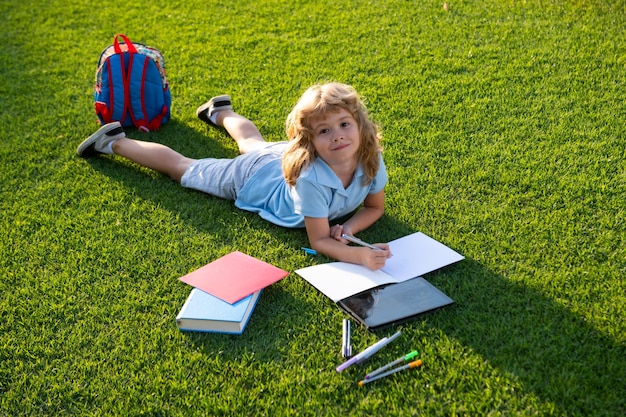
{"x":336,"y":137}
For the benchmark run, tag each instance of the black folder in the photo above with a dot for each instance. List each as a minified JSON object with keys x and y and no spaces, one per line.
{"x":391,"y":304}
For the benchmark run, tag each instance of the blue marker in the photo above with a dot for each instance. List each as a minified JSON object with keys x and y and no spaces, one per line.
{"x":310,"y":251}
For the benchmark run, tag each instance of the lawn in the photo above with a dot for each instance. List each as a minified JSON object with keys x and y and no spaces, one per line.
{"x":503,"y":129}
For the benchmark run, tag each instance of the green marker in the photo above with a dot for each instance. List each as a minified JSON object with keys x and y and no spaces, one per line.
{"x":409,"y":365}
{"x":398,"y":361}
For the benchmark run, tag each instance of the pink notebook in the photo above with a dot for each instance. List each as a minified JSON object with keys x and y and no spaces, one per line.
{"x":234,"y":276}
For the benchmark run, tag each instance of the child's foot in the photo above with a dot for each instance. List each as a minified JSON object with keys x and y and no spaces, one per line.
{"x":208,"y":111}
{"x":100,"y":142}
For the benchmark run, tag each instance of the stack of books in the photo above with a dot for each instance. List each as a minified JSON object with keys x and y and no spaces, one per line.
{"x":225,"y":293}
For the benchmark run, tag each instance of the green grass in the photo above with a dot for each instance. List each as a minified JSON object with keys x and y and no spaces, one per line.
{"x":504,"y":133}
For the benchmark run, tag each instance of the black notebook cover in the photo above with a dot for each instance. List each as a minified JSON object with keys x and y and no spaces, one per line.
{"x":394,"y":303}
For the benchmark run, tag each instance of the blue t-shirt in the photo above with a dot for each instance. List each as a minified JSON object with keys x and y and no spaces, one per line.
{"x":318,"y":193}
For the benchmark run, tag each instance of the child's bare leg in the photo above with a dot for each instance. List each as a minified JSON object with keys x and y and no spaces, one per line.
{"x":154,"y":156}
{"x":242,"y":130}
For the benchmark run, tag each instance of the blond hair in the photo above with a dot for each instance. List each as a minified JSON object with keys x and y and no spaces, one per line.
{"x":316,"y":103}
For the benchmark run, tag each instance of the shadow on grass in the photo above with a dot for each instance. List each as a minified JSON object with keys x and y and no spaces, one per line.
{"x":214,"y":215}
{"x":272,"y":332}
{"x":199,"y":210}
{"x":552,"y":351}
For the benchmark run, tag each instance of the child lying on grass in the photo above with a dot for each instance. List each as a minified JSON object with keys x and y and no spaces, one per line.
{"x":330,"y":166}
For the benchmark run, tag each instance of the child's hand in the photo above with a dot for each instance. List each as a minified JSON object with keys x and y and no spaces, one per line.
{"x":375,"y":259}
{"x":337,"y":230}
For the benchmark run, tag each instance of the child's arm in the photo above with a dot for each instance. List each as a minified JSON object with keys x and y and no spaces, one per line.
{"x":372,"y":210}
{"x":320,"y":238}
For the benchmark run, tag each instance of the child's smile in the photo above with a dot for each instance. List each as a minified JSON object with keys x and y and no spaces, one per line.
{"x":336,"y":139}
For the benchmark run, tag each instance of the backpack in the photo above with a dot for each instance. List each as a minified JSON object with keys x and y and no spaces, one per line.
{"x":131,"y":86}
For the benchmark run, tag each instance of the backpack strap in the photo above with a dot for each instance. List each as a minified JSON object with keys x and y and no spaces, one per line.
{"x":114,"y":71}
{"x":115,"y":102}
{"x":156,"y":122}
{"x":144,"y":81}
{"x":136,"y":96}
{"x":129,"y":45}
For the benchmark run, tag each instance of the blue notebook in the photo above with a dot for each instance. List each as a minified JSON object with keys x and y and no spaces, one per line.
{"x":203,"y":312}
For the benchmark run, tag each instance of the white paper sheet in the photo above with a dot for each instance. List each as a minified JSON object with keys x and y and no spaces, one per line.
{"x":417,"y":254}
{"x":413,"y":255}
{"x":338,"y":280}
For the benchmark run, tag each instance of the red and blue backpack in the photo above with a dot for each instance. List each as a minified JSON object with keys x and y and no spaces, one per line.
{"x":131,"y":86}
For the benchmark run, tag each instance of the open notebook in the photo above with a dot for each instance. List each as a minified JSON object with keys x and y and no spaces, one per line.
{"x":397,"y":288}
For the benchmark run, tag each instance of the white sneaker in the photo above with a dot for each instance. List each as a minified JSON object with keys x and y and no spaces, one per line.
{"x":96,"y":143}
{"x":216,"y":104}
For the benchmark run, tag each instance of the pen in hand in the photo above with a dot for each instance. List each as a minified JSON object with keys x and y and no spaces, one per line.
{"x":359,"y":242}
